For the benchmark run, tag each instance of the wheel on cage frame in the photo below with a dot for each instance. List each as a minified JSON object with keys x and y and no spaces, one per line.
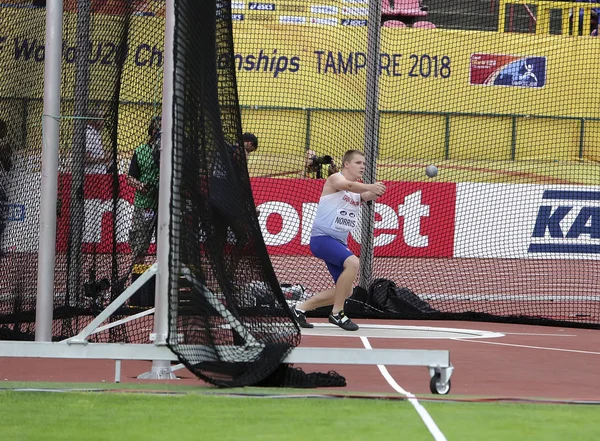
{"x":437,"y":387}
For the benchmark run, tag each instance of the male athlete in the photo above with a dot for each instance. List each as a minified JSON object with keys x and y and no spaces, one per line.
{"x":337,"y":215}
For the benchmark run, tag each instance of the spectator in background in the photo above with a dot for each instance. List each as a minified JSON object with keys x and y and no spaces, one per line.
{"x":220,"y":187}
{"x":95,"y":156}
{"x":594,"y":24}
{"x":593,"y":18}
{"x":5,"y":166}
{"x":228,"y":230}
{"x":313,"y":165}
{"x":250,"y":143}
{"x":143,"y":176}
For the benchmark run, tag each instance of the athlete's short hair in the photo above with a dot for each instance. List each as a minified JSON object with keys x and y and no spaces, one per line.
{"x":349,"y":155}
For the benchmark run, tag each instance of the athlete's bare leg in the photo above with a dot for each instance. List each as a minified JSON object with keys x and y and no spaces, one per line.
{"x":323,"y":298}
{"x":338,"y":295}
{"x":343,"y":287}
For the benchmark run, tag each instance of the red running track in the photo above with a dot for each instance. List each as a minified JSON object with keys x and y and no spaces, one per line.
{"x":528,"y":362}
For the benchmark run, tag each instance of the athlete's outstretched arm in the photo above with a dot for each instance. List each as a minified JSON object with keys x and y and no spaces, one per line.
{"x":339,"y":183}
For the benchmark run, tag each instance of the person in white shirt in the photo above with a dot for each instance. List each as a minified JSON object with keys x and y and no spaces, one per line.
{"x":95,"y":156}
{"x":337,"y":216}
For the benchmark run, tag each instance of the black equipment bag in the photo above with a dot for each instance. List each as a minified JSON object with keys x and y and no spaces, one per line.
{"x":385,"y":295}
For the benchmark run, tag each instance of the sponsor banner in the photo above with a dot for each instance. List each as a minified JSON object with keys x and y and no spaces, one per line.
{"x":324,"y":9}
{"x":412,"y":219}
{"x":261,"y":6}
{"x":355,"y":11}
{"x":237,"y":17}
{"x":22,"y":212}
{"x":324,"y":21}
{"x":527,"y":221}
{"x":507,"y":70}
{"x":292,"y":19}
{"x":260,"y":18}
{"x":238,"y":6}
{"x":291,"y":8}
{"x":326,"y":67}
{"x":99,"y":225}
{"x":352,"y":22}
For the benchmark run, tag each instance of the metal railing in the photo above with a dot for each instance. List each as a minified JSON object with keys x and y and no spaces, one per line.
{"x":447,"y":122}
{"x":542,"y":12}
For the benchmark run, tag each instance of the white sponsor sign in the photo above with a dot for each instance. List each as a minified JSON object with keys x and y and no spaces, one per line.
{"x":292,"y":19}
{"x":324,"y":21}
{"x":324,"y":9}
{"x":22,"y":211}
{"x":353,"y":22}
{"x":95,"y":210}
{"x":349,"y":10}
{"x":527,"y":221}
{"x":238,"y":5}
{"x":412,"y":211}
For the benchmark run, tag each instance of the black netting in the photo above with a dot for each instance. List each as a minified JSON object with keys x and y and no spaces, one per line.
{"x":286,"y":375}
{"x":111,"y":81}
{"x":497,"y":94}
{"x":218,"y":329}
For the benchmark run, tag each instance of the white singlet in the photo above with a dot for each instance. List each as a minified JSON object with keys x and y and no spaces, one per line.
{"x":337,"y":215}
{"x":93,"y":146}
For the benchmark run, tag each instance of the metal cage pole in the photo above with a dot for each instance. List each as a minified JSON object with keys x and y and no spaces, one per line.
{"x":81,"y":94}
{"x":161,"y":369}
{"x":50,"y":142}
{"x":371,"y":139}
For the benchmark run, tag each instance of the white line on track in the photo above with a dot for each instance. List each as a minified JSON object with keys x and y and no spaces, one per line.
{"x":429,"y":423}
{"x":540,"y":335}
{"x":575,"y":351}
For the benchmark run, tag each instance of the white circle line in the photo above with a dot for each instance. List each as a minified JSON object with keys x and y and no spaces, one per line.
{"x":470,"y":333}
{"x":540,"y":335}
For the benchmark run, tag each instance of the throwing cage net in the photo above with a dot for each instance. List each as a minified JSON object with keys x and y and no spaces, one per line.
{"x":111,"y":87}
{"x":230,"y":324}
{"x":107,"y":106}
{"x":229,"y":321}
{"x":495,"y":94}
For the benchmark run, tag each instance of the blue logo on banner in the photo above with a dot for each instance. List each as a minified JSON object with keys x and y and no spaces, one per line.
{"x":14,"y":212}
{"x":549,"y":218}
{"x":524,"y":72}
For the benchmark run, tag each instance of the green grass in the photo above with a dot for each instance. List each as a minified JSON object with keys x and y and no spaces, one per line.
{"x":130,"y":416}
{"x":175,"y":387}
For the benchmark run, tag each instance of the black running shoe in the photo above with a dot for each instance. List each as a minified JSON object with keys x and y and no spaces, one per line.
{"x":343,"y":321}
{"x":301,"y":318}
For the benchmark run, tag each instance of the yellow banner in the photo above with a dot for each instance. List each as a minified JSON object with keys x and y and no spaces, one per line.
{"x":323,"y":65}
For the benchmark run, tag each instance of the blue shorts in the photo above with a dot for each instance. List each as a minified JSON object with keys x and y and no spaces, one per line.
{"x":332,"y":251}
